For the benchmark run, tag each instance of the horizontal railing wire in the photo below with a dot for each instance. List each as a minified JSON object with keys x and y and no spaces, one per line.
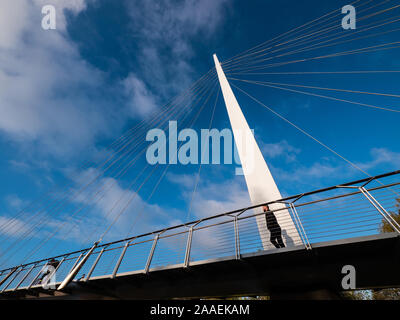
{"x":339,"y":216}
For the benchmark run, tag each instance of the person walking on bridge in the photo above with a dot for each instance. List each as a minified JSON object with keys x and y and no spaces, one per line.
{"x":53,"y":264}
{"x":274,"y":228}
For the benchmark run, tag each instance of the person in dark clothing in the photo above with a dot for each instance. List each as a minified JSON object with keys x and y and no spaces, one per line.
{"x":52,"y":262}
{"x":274,"y":228}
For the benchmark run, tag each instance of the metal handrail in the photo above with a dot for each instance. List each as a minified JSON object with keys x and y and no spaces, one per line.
{"x":235,"y":218}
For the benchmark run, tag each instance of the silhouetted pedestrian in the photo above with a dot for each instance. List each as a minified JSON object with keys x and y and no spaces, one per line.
{"x":54,"y":264}
{"x":274,"y":228}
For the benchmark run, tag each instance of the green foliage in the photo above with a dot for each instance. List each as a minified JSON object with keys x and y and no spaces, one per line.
{"x":386,"y":294}
{"x":385,"y":226}
{"x":356,"y":295}
{"x":383,"y":294}
{"x":392,"y":293}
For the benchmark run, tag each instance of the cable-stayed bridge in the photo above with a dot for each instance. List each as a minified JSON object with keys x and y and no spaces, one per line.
{"x":231,"y":253}
{"x":223,"y":255}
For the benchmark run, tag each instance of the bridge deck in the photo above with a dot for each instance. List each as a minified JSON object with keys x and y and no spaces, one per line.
{"x":224,"y":254}
{"x":375,"y":258}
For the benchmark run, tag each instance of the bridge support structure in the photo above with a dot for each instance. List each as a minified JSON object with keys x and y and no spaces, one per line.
{"x":260,"y":183}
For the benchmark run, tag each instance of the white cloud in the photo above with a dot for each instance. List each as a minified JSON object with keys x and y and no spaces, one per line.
{"x":45,"y":85}
{"x":13,"y":20}
{"x":141,"y":101}
{"x":15,"y":227}
{"x":15,"y":202}
{"x":183,"y":180}
{"x":51,"y":99}
{"x":172,"y":20}
{"x":163,"y":31}
{"x":139,"y":216}
{"x":382,"y":156}
{"x":280,"y":149}
{"x":107,"y":202}
{"x":212,"y":198}
{"x":47,"y":101}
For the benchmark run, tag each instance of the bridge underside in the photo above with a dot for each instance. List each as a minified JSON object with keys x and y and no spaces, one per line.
{"x":283,"y":273}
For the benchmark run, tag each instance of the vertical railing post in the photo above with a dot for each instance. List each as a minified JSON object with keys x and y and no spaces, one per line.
{"x":119,"y":260}
{"x":237,"y":239}
{"x":382,"y":211}
{"x":58,"y":267}
{"x":188,"y":247}
{"x":41,"y":270}
{"x":12,"y":279}
{"x":77,"y":267}
{"x":76,"y":262}
{"x":8,"y":275}
{"x":35,"y":278}
{"x":302,"y":232}
{"x":33,"y":282}
{"x":153,"y":248}
{"x":25,"y":276}
{"x":94,"y":264}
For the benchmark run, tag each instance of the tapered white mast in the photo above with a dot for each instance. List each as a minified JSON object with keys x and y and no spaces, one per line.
{"x":260,"y":183}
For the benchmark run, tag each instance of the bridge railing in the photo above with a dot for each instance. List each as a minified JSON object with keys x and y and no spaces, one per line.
{"x":350,"y":210}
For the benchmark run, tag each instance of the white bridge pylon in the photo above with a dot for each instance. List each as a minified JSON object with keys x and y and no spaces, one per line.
{"x":260,"y":183}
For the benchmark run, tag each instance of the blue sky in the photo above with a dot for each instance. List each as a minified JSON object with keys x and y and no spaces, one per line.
{"x":66,"y":94}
